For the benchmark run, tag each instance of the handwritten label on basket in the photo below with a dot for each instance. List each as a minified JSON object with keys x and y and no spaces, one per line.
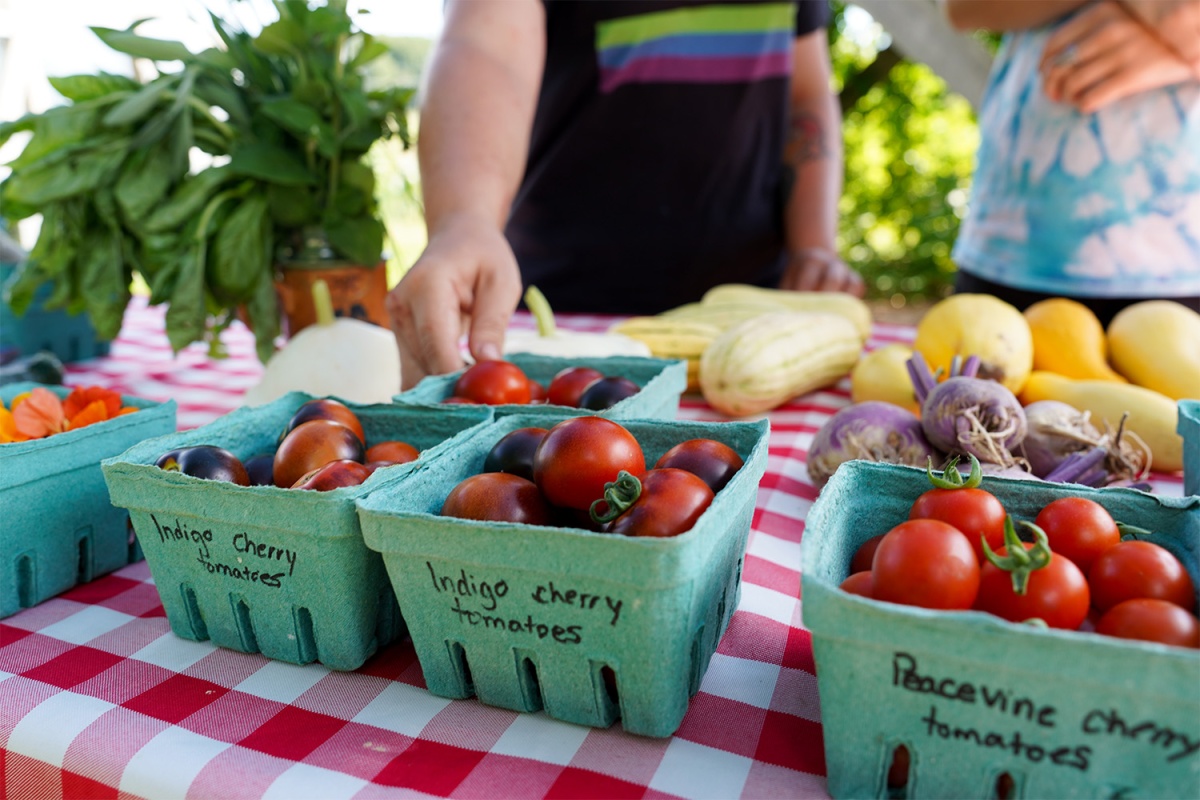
{"x":1101,"y":721}
{"x":479,"y":603}
{"x":248,"y":559}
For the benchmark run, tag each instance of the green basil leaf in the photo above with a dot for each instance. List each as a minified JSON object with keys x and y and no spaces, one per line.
{"x":105,"y":285}
{"x":138,"y":105}
{"x":57,"y":129}
{"x":291,"y":206}
{"x":284,"y":37}
{"x":370,"y":49}
{"x":187,"y":200}
{"x":142,"y":46}
{"x":186,"y":316}
{"x":81,"y":173}
{"x":262,"y":311}
{"x":359,"y":239}
{"x":237,"y":257}
{"x":144,"y":181}
{"x":261,"y":160}
{"x":79,"y":88}
{"x":22,"y":125}
{"x":300,"y":120}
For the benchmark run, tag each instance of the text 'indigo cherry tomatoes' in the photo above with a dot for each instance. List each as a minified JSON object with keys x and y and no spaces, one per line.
{"x":568,"y":384}
{"x":714,"y":462}
{"x":578,"y":456}
{"x":493,"y":383}
{"x":513,"y":453}
{"x":926,"y":563}
{"x":667,"y":503}
{"x":311,"y":445}
{"x":498,"y":497}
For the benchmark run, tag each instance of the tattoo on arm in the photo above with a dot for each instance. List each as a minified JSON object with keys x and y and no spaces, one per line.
{"x":805,"y":139}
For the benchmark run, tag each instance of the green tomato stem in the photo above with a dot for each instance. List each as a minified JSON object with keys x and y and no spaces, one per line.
{"x":951,"y":478}
{"x":1020,"y":561}
{"x":619,"y":495}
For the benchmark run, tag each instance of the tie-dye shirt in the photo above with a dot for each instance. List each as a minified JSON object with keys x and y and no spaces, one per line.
{"x":1100,"y":205}
{"x":655,"y":166}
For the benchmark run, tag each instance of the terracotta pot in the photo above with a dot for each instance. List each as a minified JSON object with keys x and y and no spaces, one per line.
{"x":357,"y":291}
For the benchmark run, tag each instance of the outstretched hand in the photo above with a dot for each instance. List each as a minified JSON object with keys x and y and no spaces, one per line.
{"x":1176,"y":22}
{"x":466,"y":281}
{"x":1104,"y":54}
{"x":816,"y":269}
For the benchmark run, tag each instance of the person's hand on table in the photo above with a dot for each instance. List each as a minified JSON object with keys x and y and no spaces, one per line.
{"x":466,"y":280}
{"x":1104,"y":54}
{"x":816,"y":269}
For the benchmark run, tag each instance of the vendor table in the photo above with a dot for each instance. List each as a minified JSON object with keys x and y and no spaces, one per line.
{"x":99,"y":699}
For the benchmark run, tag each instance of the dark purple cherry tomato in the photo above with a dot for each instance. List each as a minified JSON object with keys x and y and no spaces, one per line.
{"x":326,"y":408}
{"x":670,"y":502}
{"x":607,"y":392}
{"x":261,"y":469}
{"x":714,"y":462}
{"x":568,"y":384}
{"x":514,"y":452}
{"x":206,"y":461}
{"x":311,"y":445}
{"x":498,"y":497}
{"x":392,"y":451}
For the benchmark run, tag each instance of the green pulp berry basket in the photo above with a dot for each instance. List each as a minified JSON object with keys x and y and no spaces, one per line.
{"x":972,"y":697}
{"x":59,"y":527}
{"x":585,"y":626}
{"x":1189,"y":429}
{"x":283,"y":572}
{"x":662,"y":381}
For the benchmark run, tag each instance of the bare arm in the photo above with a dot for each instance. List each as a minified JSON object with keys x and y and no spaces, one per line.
{"x":474,"y":137}
{"x":1177,"y":23}
{"x":813,"y":150}
{"x":1005,"y":15}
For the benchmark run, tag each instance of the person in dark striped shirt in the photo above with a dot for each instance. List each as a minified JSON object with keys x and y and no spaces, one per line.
{"x":623,"y":156}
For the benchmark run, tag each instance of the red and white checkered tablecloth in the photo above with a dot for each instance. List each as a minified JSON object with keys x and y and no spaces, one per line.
{"x":99,"y":699}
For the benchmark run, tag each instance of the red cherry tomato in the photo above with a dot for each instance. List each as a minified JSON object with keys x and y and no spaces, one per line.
{"x":326,"y":408}
{"x":311,"y":445}
{"x":858,"y":583}
{"x":670,"y":502}
{"x":927,"y":563}
{"x":1132,"y":569}
{"x":1057,"y":593}
{"x":714,"y":462}
{"x":493,"y":383}
{"x":392,"y":451}
{"x":1078,"y":528}
{"x":1151,"y":620}
{"x":537,"y":392}
{"x":335,"y":475}
{"x":566,"y":387}
{"x":498,"y":497}
{"x":578,"y":456}
{"x":975,"y":512}
{"x":864,"y":555}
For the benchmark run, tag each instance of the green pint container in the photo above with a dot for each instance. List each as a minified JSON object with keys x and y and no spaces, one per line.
{"x":585,"y":626}
{"x":282,"y":572}
{"x":974,"y":698}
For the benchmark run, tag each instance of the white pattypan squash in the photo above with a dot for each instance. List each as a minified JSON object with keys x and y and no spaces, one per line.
{"x":549,"y":340}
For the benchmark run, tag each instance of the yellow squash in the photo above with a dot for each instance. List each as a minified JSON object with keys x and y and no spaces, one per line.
{"x":1152,"y":416}
{"x":979,"y":325}
{"x":1069,"y":340}
{"x":882,"y":374}
{"x":1156,"y":344}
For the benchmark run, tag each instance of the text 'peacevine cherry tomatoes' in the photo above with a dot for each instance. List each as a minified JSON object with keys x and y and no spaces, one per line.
{"x":926,"y":563}
{"x":495,"y":382}
{"x":578,"y":456}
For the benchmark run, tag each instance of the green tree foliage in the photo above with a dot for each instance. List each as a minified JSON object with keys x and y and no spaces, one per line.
{"x":909,"y":150}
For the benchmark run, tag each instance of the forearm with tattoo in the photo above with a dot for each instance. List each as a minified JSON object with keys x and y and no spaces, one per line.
{"x":806,"y":139}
